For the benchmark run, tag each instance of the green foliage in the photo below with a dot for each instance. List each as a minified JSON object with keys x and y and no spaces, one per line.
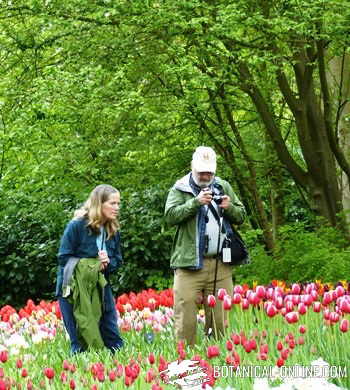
{"x":30,"y":229}
{"x":302,"y":255}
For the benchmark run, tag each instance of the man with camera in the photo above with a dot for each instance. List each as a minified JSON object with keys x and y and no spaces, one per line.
{"x":203,"y":207}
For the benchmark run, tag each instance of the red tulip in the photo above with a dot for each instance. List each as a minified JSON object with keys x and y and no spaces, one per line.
{"x":279,"y":345}
{"x":49,"y":372}
{"x":236,"y":338}
{"x":24,"y":373}
{"x":112,"y":375}
{"x":213,"y":351}
{"x":302,"y":329}
{"x":4,"y":356}
{"x":19,"y":363}
{"x":344,"y":325}
{"x":150,"y":375}
{"x":284,"y":353}
{"x":151,"y":358}
{"x":211,"y":301}
{"x":72,"y":384}
{"x":155,"y":386}
{"x":280,"y":362}
{"x":63,"y":377}
{"x":30,"y":385}
{"x":128,"y":381}
{"x":229,"y":345}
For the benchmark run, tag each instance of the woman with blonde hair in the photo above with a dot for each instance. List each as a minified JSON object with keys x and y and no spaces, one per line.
{"x":90,"y":239}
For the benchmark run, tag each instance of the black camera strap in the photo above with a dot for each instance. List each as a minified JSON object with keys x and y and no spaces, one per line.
{"x":220,"y":223}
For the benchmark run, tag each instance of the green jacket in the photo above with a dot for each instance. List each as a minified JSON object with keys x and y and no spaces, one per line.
{"x":87,"y":285}
{"x":184,"y":210}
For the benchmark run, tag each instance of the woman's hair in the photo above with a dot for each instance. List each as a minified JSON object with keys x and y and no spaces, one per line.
{"x":92,"y":210}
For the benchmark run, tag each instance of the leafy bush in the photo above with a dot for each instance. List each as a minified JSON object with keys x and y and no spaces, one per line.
{"x":30,"y":229}
{"x":301,"y":255}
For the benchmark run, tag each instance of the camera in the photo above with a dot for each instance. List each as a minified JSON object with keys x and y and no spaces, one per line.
{"x":216,"y":198}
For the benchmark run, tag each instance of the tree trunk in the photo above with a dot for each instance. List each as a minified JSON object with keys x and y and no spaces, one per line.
{"x":338,"y":77}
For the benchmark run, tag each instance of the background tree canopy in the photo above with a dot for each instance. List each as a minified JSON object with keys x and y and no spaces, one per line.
{"x":122,"y":92}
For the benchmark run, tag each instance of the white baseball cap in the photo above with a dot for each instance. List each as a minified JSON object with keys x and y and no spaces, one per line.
{"x":204,"y":159}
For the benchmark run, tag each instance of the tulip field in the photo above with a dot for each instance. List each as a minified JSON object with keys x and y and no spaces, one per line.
{"x":277,"y":337}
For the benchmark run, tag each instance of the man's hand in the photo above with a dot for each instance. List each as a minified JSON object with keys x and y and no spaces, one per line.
{"x":205,"y":197}
{"x":225,"y":202}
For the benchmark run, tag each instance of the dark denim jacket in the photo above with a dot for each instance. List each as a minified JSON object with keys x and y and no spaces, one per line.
{"x":79,"y":241}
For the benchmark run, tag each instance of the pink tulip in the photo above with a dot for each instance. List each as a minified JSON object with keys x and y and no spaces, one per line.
{"x":326,"y":314}
{"x":260,"y":291}
{"x":289,"y":306}
{"x":238,"y":289}
{"x":264,"y":348}
{"x":211,"y":301}
{"x":227,"y":302}
{"x":334,"y":317}
{"x":245,"y":304}
{"x":340,"y":291}
{"x":292,"y":317}
{"x":344,"y":305}
{"x":317,"y":307}
{"x":221,"y":293}
{"x":279,"y":303}
{"x":302,"y":308}
{"x":344,"y":325}
{"x":327,"y":298}
{"x":236,"y":298}
{"x":295,"y":289}
{"x":271,"y":310}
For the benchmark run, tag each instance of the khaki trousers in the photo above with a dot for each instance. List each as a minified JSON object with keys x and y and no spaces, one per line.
{"x":189,"y":287}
